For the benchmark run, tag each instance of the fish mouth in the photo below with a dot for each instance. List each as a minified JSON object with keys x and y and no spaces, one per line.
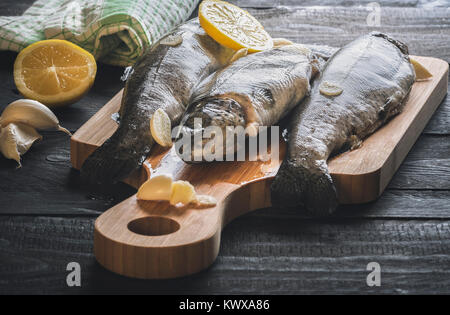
{"x":203,"y":129}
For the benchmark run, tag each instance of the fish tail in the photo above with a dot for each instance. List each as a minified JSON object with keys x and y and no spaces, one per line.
{"x":112,"y":162}
{"x":309,"y":187}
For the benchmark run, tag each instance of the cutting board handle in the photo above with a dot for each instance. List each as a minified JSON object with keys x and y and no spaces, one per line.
{"x":154,"y":240}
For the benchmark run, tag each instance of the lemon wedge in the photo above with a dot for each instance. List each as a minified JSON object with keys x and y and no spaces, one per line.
{"x":421,"y":72}
{"x":54,"y":72}
{"x":233,"y":27}
{"x":161,"y":128}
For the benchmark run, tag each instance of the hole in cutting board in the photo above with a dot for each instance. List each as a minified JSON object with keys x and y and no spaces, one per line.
{"x":153,"y":226}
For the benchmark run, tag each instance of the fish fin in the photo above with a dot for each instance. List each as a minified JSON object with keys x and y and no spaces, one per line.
{"x":111,"y":163}
{"x":400,"y":45}
{"x":308,"y":187}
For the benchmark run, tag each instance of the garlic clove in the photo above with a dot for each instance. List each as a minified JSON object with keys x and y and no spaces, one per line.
{"x":31,"y":113}
{"x":158,"y":187}
{"x":182,"y":192}
{"x":16,"y":139}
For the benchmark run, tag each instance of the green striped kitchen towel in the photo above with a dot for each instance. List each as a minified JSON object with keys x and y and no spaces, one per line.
{"x":115,"y":31}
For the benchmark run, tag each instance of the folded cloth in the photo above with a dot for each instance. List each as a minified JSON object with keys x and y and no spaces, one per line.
{"x":115,"y":31}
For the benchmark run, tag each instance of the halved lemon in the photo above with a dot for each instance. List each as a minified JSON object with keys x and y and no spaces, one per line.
{"x":54,"y":72}
{"x":232,"y":26}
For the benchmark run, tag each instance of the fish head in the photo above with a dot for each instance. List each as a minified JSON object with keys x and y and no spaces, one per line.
{"x":204,"y":127}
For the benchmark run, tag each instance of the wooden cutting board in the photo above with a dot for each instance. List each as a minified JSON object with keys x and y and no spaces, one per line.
{"x":146,"y":239}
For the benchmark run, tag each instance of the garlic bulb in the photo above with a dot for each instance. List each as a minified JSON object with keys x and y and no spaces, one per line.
{"x":31,"y":113}
{"x":16,"y":139}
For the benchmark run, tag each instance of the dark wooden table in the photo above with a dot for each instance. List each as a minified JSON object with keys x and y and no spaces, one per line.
{"x":47,"y":216}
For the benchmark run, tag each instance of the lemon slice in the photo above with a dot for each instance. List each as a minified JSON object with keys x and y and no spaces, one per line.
{"x":421,"y":72}
{"x":54,"y":72}
{"x":330,"y":89}
{"x":233,"y":27}
{"x":161,"y":128}
{"x":182,"y":192}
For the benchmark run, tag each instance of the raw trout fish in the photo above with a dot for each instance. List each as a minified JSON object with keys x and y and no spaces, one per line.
{"x":363,"y":85}
{"x":163,"y":78}
{"x":256,"y":90}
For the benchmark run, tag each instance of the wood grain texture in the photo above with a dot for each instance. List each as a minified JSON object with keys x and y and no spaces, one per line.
{"x":439,"y":124}
{"x":333,"y":3}
{"x":425,"y":31}
{"x":13,"y":7}
{"x":259,"y":255}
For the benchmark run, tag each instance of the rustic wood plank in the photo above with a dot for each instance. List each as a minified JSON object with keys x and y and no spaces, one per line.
{"x":14,"y":7}
{"x":335,"y":3}
{"x":392,"y":204}
{"x":258,"y":255}
{"x":426,"y":31}
{"x":440,"y":121}
{"x":426,"y":167}
{"x":405,"y":204}
{"x":47,"y":184}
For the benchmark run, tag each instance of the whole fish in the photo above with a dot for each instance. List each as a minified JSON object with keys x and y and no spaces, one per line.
{"x":370,"y":79}
{"x":253,"y":91}
{"x":163,"y":78}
